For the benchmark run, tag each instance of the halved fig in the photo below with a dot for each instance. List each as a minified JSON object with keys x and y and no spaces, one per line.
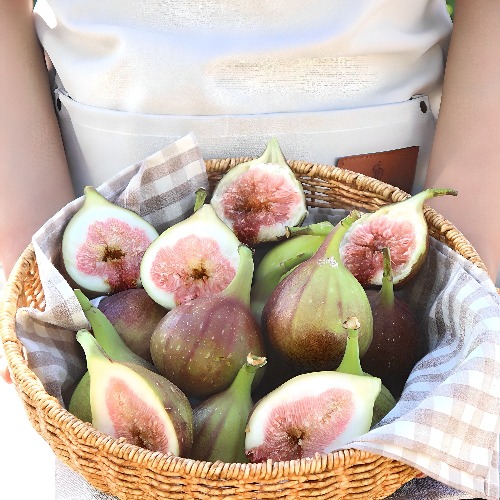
{"x":260,"y":198}
{"x":103,"y":245}
{"x":402,"y":228}
{"x":193,"y":258}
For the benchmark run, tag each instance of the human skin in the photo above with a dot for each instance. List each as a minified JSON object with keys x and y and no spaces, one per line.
{"x":466,"y":150}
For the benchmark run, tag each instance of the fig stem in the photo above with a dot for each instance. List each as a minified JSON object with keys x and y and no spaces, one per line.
{"x":317,"y":229}
{"x":387,"y":290}
{"x":419,"y":198}
{"x":242,"y":383}
{"x":332,"y":241}
{"x":106,"y":334}
{"x":350,"y":362}
{"x":201,"y":195}
{"x":93,"y":350}
{"x":273,"y":153}
{"x":240,"y":286}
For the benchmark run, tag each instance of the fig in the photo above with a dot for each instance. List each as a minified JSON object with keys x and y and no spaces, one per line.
{"x":103,"y":245}
{"x":219,"y":422}
{"x":314,"y":412}
{"x":402,"y":228}
{"x":131,"y":402}
{"x":200,"y":345}
{"x":302,"y":319}
{"x":134,"y":314}
{"x":193,"y":258}
{"x":259,"y":198}
{"x":397,"y":344}
{"x":113,"y":345}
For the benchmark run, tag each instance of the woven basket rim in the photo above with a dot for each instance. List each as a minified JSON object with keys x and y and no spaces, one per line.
{"x":40,"y":405}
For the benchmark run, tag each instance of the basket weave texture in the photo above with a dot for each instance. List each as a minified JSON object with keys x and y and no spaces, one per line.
{"x":127,"y":471}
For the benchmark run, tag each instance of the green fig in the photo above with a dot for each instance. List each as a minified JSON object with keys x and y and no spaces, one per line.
{"x":131,"y":402}
{"x":220,"y":421}
{"x":402,"y":228}
{"x":258,"y":199}
{"x":303,"y":317}
{"x":314,"y":412}
{"x":193,"y":258}
{"x":103,"y":245}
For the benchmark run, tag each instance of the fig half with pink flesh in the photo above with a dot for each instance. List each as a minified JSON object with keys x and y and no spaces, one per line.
{"x":402,"y":228}
{"x":200,"y":345}
{"x":193,"y":258}
{"x":103,"y":245}
{"x":315,"y":412}
{"x":128,"y":401}
{"x":258,"y":199}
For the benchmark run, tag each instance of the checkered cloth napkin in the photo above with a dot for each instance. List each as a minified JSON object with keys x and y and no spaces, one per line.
{"x":447,"y":422}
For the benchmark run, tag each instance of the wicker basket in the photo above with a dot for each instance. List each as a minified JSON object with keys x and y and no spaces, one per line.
{"x":128,"y":471}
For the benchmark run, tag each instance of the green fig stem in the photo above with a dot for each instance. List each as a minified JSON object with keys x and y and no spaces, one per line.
{"x":419,"y":198}
{"x":387,"y":290}
{"x":332,"y":241}
{"x":350,"y":362}
{"x":106,"y":334}
{"x":272,"y":153}
{"x":323,"y":228}
{"x":201,"y":196}
{"x":242,"y":383}
{"x":241,"y":284}
{"x":93,"y":350}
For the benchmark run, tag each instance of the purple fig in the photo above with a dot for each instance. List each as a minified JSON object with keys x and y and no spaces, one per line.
{"x":201,"y":345}
{"x":135,"y":315}
{"x":220,"y":421}
{"x":397,"y":344}
{"x":303,"y":317}
{"x":402,"y":228}
{"x":315,"y":412}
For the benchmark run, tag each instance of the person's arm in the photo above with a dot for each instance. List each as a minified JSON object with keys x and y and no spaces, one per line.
{"x":34,"y":177}
{"x":466,"y":150}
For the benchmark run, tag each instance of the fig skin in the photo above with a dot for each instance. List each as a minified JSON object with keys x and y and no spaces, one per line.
{"x":201,"y":345}
{"x":135,"y":315}
{"x":402,"y":228}
{"x":302,"y":319}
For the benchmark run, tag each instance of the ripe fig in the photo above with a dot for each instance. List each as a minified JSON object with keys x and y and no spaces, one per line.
{"x":259,"y":198}
{"x":315,"y":412}
{"x":131,"y":402}
{"x":103,"y":245}
{"x":402,"y":228}
{"x":200,"y":345}
{"x":303,"y":316}
{"x":134,"y":314}
{"x":220,"y":421}
{"x":193,"y":258}
{"x":397,"y":344}
{"x":111,"y":342}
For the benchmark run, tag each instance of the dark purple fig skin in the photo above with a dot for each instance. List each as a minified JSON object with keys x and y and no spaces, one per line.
{"x":396,"y":345}
{"x":201,"y":345}
{"x":135,"y":315}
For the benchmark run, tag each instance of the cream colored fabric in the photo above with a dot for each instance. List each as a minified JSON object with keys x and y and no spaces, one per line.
{"x":135,"y":76}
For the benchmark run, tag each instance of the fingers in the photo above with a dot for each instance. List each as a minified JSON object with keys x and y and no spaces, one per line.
{"x":4,"y":369}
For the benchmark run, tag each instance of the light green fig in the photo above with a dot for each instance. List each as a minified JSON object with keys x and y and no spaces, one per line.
{"x":302,"y":243}
{"x":258,"y":199}
{"x":193,"y":258}
{"x":303,"y":317}
{"x":402,"y":228}
{"x":103,"y":245}
{"x":131,"y":402}
{"x":220,"y":421}
{"x":315,"y":412}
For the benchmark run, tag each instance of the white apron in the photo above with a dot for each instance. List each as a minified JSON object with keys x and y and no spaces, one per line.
{"x":328,"y":79}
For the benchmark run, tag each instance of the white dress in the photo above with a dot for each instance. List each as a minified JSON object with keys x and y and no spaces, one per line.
{"x":329,"y":79}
